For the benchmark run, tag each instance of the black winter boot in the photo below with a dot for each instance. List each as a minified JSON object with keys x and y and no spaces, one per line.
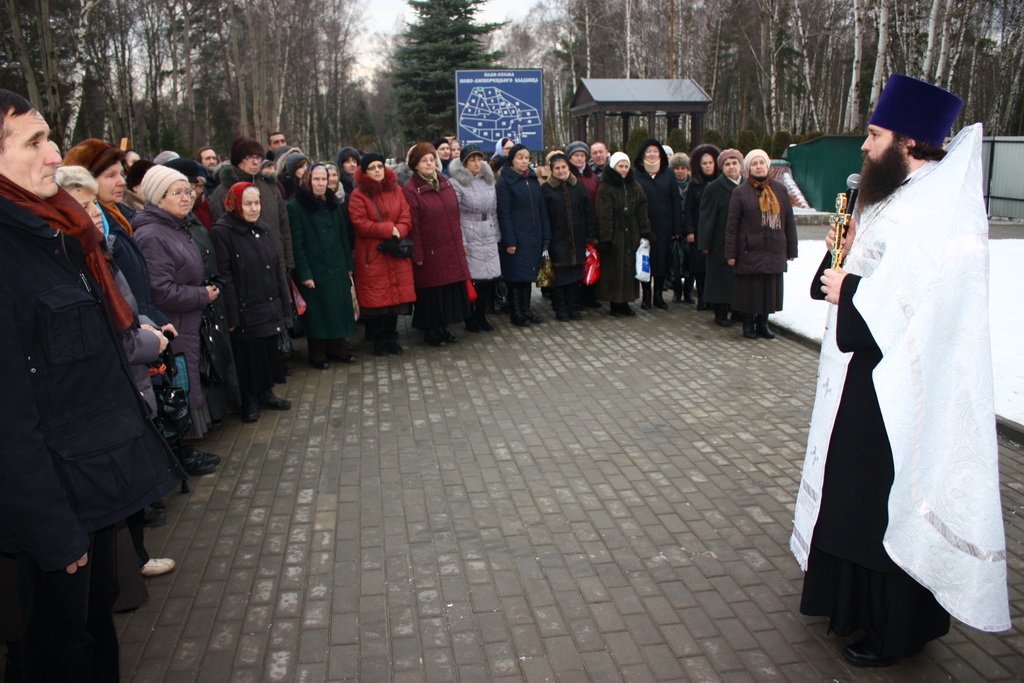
{"x":749,"y":330}
{"x":687,"y":290}
{"x":764,"y":330}
{"x":645,"y":296}
{"x":722,"y":315}
{"x":559,"y":304}
{"x":515,"y":306}
{"x":526,"y":294}
{"x":572,"y":301}
{"x":659,"y":292}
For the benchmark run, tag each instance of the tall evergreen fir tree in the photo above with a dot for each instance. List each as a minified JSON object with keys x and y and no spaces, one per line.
{"x":444,"y":38}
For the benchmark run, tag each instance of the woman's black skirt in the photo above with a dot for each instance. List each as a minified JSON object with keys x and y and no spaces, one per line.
{"x":256,"y":361}
{"x":758,"y":294}
{"x":439,"y":306}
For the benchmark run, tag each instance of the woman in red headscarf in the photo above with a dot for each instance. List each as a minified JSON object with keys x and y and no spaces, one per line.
{"x":255,"y":295}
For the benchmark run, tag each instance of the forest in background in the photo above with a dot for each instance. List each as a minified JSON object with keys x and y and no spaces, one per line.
{"x":179,"y":74}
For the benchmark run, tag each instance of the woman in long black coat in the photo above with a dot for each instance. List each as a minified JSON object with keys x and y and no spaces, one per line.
{"x":714,"y":210}
{"x":572,"y":226}
{"x":760,"y":236}
{"x":703,"y":170}
{"x":255,"y":296}
{"x":621,"y":223}
{"x":664,"y":212}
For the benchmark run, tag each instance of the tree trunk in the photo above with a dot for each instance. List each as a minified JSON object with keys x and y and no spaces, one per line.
{"x":189,"y":86}
{"x":629,"y":37}
{"x":852,"y":120}
{"x":77,"y":73}
{"x":943,"y":60}
{"x":801,"y":35}
{"x":929,"y":54}
{"x":51,"y":85}
{"x":27,"y":69}
{"x":883,"y":50}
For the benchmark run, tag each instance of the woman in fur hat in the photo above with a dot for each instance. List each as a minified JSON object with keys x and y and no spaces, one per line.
{"x":439,"y":255}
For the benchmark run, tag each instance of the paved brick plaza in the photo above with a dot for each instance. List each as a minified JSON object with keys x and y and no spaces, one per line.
{"x":608,"y":500}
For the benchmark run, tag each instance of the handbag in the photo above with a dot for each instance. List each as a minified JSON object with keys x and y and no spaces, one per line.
{"x":546,"y":273}
{"x":209,"y":359}
{"x":592,"y":266}
{"x":643,"y":261}
{"x":471,"y":292}
{"x":173,"y":417}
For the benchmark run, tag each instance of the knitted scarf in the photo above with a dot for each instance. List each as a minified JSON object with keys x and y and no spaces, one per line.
{"x":115,"y":213}
{"x":771,"y":212}
{"x":63,"y":213}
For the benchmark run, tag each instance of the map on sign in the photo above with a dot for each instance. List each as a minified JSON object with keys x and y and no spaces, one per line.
{"x":496,"y":104}
{"x":491,"y":114}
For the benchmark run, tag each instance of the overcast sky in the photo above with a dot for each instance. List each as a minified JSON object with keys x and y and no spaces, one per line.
{"x":384,"y":17}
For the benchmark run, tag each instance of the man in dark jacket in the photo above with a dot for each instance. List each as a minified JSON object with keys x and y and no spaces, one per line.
{"x":78,"y":453}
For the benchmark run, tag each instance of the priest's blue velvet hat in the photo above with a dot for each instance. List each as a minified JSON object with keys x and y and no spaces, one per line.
{"x":916,"y":109}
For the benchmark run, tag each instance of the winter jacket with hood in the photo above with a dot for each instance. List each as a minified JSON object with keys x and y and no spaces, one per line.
{"x":663,"y":208}
{"x":478,"y":208}
{"x":524,"y":224}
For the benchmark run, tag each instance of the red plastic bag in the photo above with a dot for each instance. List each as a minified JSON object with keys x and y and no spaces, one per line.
{"x":471,"y":291}
{"x":297,"y":300}
{"x":592,"y":267}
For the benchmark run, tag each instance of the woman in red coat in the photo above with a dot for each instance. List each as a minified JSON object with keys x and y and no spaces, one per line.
{"x":384,"y":282}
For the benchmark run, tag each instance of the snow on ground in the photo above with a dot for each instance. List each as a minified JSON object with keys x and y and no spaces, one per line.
{"x":1006,"y":283}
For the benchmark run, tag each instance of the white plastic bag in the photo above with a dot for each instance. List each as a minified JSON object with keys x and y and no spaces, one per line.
{"x":643,"y":261}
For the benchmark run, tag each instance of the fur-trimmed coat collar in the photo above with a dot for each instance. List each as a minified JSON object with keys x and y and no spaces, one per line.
{"x":461,"y":174}
{"x":612,"y":177}
{"x":556,"y":183}
{"x":371,"y":186}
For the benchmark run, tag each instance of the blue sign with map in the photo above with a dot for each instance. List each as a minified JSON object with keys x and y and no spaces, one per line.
{"x":492,"y":104}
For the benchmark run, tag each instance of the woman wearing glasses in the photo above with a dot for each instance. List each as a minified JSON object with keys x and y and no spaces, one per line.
{"x":176,"y":273}
{"x":384,"y":282}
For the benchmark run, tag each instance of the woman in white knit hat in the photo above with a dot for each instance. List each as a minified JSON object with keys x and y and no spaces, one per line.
{"x":177,"y":279}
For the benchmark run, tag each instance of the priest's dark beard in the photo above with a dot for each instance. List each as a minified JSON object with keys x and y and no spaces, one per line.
{"x":879,"y":179}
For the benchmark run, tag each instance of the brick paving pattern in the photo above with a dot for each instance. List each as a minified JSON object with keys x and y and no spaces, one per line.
{"x":607,"y":500}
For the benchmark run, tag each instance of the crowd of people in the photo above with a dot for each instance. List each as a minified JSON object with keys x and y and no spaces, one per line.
{"x":143,"y":301}
{"x":212,"y":266}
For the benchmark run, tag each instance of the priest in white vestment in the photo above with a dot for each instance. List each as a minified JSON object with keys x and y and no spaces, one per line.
{"x":898,"y":521}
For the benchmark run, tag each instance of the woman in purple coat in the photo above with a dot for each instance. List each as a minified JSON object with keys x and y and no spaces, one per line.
{"x":439,"y":255}
{"x":176,"y":274}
